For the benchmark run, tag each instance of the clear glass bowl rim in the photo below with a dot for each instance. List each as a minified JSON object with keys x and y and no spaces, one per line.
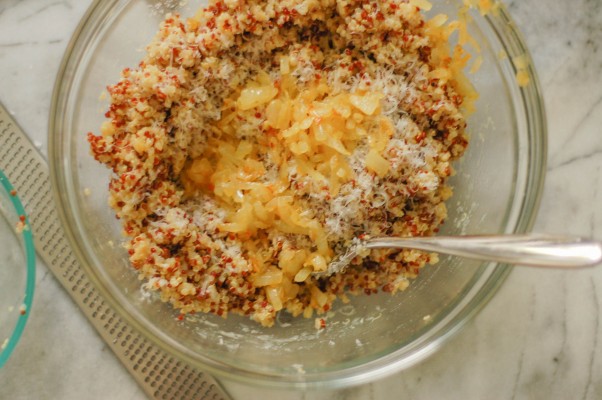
{"x":30,"y":257}
{"x":532,"y":102}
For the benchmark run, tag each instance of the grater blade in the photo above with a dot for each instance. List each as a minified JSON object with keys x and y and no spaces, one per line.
{"x":160,"y":375}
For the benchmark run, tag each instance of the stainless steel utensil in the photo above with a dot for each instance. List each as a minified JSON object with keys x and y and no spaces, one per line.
{"x":536,"y":250}
{"x":159,"y":374}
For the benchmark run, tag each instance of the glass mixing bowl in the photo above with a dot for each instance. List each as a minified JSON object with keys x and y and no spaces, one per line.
{"x":497,"y":189}
{"x":17,"y":269}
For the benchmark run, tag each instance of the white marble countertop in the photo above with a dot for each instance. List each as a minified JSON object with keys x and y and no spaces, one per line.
{"x":539,"y":338}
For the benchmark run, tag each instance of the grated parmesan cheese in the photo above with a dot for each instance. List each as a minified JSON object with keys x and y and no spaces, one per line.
{"x":257,"y":140}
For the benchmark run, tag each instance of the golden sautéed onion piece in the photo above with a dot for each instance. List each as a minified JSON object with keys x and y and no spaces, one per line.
{"x":257,"y":139}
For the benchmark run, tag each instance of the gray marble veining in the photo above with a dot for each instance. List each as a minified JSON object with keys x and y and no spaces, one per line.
{"x":539,"y":338}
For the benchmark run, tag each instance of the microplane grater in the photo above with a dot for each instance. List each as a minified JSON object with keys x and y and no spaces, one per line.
{"x":160,"y":375}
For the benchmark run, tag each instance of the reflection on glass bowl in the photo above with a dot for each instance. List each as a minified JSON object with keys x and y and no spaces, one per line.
{"x":497,"y":189}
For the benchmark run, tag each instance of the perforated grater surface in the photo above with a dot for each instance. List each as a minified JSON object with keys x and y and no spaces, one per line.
{"x":160,"y":375}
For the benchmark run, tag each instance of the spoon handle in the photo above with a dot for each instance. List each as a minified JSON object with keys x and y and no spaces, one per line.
{"x":537,"y":250}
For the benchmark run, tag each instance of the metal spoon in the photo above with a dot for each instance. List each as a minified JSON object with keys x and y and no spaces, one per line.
{"x":536,"y":250}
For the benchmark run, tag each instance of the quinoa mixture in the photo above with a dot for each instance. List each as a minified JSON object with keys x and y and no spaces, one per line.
{"x":258,"y":139}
